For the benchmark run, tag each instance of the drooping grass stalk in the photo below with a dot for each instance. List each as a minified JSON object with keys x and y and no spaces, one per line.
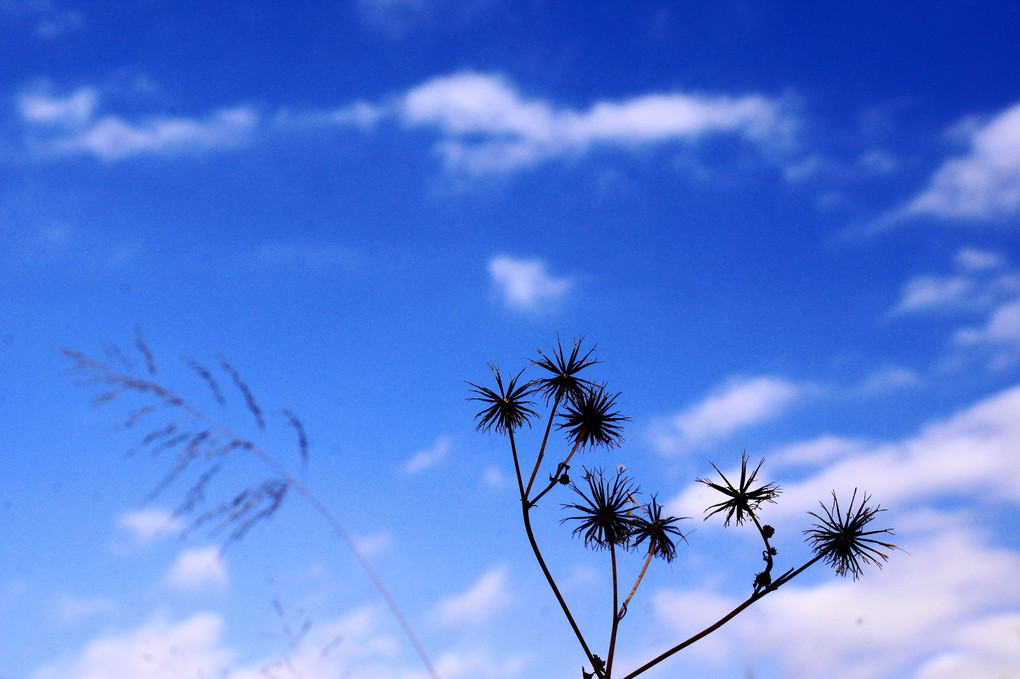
{"x":102,"y":373}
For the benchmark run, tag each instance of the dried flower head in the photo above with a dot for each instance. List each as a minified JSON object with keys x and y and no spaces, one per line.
{"x":563,"y":382}
{"x":604,"y":517}
{"x":507,"y":408}
{"x":590,"y":419}
{"x":841,"y":539}
{"x":743,"y":500}
{"x":659,"y":531}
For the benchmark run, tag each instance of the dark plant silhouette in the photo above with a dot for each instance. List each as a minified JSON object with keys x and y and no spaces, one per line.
{"x":607,"y":515}
{"x":204,"y":446}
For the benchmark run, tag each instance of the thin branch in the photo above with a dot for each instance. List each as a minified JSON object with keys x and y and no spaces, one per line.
{"x":616,"y":615}
{"x":723,"y":620}
{"x":640,"y":577}
{"x":541,"y":450}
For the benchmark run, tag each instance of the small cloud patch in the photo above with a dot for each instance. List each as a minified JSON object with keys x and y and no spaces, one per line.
{"x":526,"y":284}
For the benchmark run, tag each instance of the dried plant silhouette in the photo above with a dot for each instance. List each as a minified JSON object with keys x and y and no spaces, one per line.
{"x":605,"y":511}
{"x":203,"y":446}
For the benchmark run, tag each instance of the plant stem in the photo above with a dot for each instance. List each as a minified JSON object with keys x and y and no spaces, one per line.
{"x":723,"y":620}
{"x":517,"y":466}
{"x":559,"y":468}
{"x":616,"y":616}
{"x":541,"y":451}
{"x":641,"y":575}
{"x":551,"y":581}
{"x":768,"y":549}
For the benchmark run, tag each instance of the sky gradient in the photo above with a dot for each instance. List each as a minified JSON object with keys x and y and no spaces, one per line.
{"x":792,"y":230}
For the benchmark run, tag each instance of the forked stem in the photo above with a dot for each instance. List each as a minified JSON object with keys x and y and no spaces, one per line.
{"x":541,"y":451}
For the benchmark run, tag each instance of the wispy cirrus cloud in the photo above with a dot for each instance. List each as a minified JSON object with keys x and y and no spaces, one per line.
{"x":527,"y":284}
{"x":983,"y":183}
{"x":736,"y":405}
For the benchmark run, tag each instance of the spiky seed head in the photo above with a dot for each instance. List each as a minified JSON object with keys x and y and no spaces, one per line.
{"x":563,"y":382}
{"x":591,"y":419}
{"x":507,"y":407}
{"x":744,"y":499}
{"x":841,"y":538}
{"x":604,"y":517}
{"x":658,"y":530}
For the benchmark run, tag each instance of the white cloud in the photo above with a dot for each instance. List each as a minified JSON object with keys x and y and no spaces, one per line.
{"x":889,"y":379}
{"x":71,"y":608}
{"x":485,"y":125}
{"x":190,"y":648}
{"x":485,"y":599}
{"x":358,"y":645}
{"x":925,"y":293}
{"x":146,"y":525}
{"x":489,"y":127}
{"x":113,"y":138}
{"x":429,"y":457}
{"x":817,"y":451}
{"x":372,"y":545}
{"x":1002,"y":326}
{"x":734,"y":406}
{"x":494,"y":477}
{"x":526,"y":284}
{"x":198,"y":568}
{"x":973,"y":259}
{"x":479,"y":663}
{"x":984,"y":183}
{"x":983,"y":282}
{"x":984,"y":286}
{"x":985,"y":649}
{"x":360,"y":114}
{"x":71,"y":125}
{"x":355,"y":646}
{"x":72,"y":110}
{"x":971,"y":453}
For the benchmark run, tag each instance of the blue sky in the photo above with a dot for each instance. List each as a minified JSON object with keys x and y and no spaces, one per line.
{"x":790,"y":229}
